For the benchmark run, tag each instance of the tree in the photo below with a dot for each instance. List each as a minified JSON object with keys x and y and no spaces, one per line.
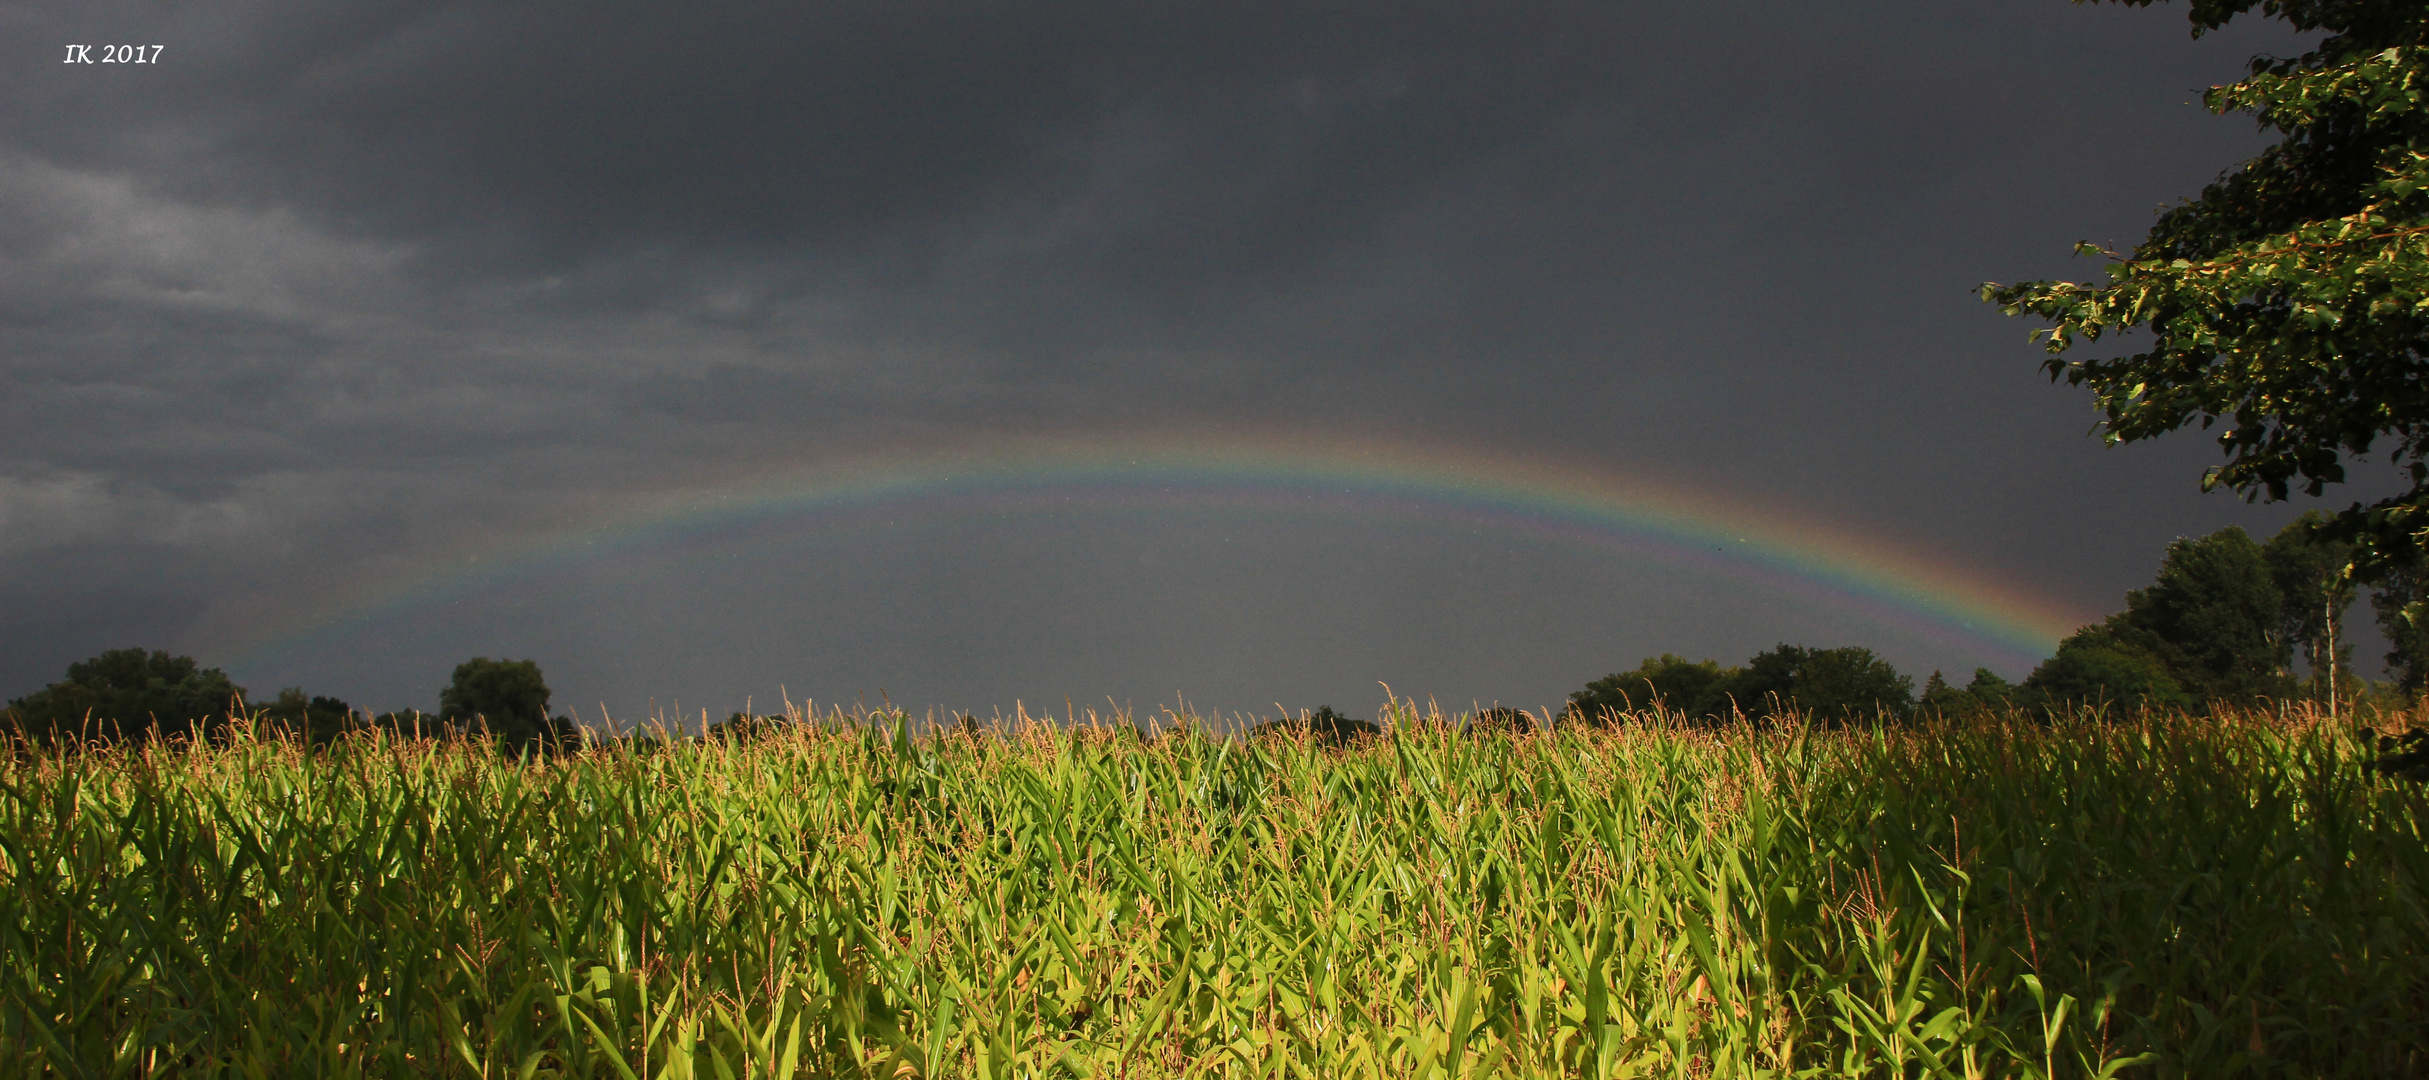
{"x":1986,"y":694}
{"x":2399,"y":595}
{"x":408,"y":724}
{"x":319,"y":720}
{"x":2214,"y":616}
{"x":2291,"y":300}
{"x":2098,"y":666}
{"x":127,"y":691}
{"x":1671,"y":683}
{"x":508,"y":697}
{"x":2209,"y":628}
{"x":1833,"y":685}
{"x":1324,"y":726}
{"x":2314,"y":576}
{"x":1937,"y":694}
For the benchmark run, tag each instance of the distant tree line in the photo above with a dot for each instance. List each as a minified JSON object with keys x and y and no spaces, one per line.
{"x":1323,"y":726}
{"x":2223,"y":624}
{"x":131,"y":693}
{"x":1833,"y":684}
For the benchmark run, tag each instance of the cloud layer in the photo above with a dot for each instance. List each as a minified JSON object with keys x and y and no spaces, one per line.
{"x":330,"y":295}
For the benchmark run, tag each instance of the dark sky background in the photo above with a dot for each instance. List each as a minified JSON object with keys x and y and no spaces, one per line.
{"x":331,"y":295}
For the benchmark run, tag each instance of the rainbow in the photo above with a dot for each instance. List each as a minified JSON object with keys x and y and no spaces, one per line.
{"x":1366,"y":478}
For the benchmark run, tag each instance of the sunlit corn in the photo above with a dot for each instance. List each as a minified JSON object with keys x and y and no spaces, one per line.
{"x":854,"y":897}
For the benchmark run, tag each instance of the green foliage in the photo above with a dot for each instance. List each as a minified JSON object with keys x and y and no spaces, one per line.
{"x":2405,"y":755}
{"x":1669,"y":683}
{"x":504,"y":692}
{"x":2219,"y":624}
{"x":2399,"y":596}
{"x":409,"y":724}
{"x":1323,"y":726}
{"x":2198,"y":897}
{"x":2291,"y":300}
{"x":2214,"y":615}
{"x":2103,"y":665}
{"x":319,"y":720}
{"x":508,"y":698}
{"x":2209,"y":629}
{"x":127,"y":692}
{"x":1987,"y":695}
{"x":1830,"y":685}
{"x":746,"y":727}
{"x":2315,"y":582}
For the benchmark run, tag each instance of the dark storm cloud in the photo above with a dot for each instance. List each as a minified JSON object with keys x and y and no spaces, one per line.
{"x":606,"y":153}
{"x":335,"y":291}
{"x":1144,"y":175}
{"x":541,"y":135}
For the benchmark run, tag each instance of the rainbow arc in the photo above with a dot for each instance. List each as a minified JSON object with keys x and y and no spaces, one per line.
{"x":1249,"y":474}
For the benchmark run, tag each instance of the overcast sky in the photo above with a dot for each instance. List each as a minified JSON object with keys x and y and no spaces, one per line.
{"x":329,"y":295}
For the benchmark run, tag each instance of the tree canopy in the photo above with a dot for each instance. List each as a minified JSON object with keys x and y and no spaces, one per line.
{"x":507,"y":697}
{"x":2099,"y":665}
{"x":1827,"y":684}
{"x":1848,"y":683}
{"x":1988,"y":693}
{"x":2399,"y":596}
{"x":2290,"y":301}
{"x":2209,"y":628}
{"x":2221,"y":622}
{"x":2315,"y":582}
{"x":125,"y":691}
{"x":1667,"y":682}
{"x":317,"y":719}
{"x":1324,"y":726}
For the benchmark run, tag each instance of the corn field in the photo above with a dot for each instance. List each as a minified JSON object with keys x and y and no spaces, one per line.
{"x":863,"y":897}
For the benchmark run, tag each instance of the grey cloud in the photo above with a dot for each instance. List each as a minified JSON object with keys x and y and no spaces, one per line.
{"x":566,"y":130}
{"x":340,"y":291}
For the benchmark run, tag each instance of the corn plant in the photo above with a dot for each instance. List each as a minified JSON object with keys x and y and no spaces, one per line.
{"x":854,"y":896}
